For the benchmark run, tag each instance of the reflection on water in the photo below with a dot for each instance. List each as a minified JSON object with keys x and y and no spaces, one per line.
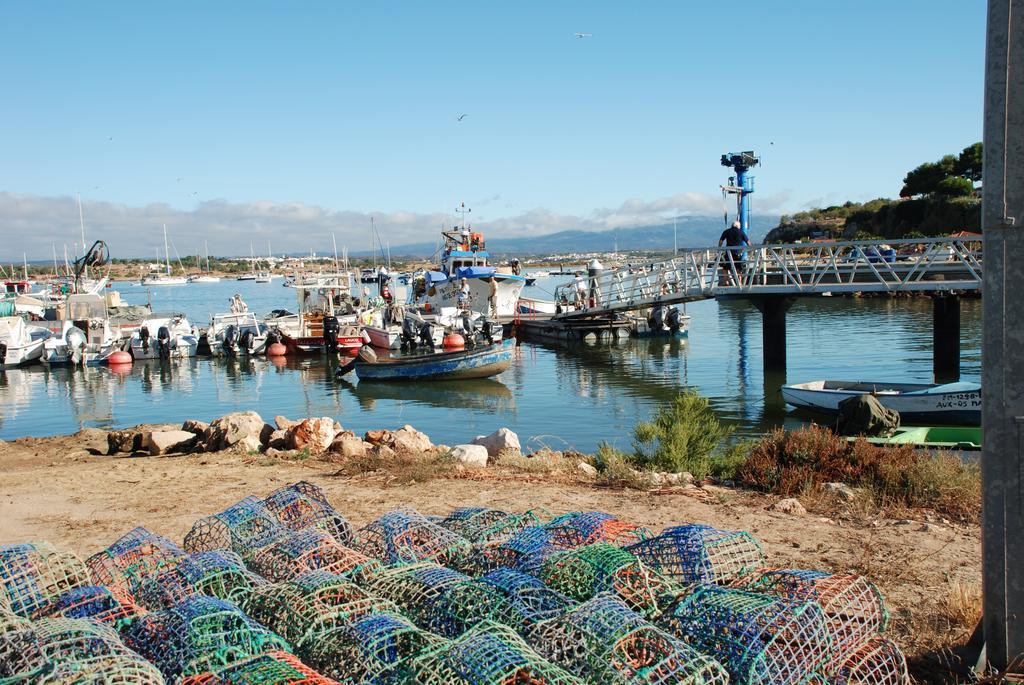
{"x":557,"y":395}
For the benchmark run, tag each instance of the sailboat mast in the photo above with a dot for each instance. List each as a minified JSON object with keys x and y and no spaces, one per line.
{"x":167,"y":252}
{"x":373,"y":244}
{"x":81,"y":223}
{"x":56,"y":273}
{"x":334,"y":241}
{"x":206,"y":249}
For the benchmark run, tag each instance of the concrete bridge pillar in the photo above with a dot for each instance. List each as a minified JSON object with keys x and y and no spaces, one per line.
{"x":773,"y":310}
{"x":946,"y":338}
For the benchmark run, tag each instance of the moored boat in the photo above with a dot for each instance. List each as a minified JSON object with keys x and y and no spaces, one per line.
{"x":935,"y":437}
{"x":326,"y":321}
{"x":86,"y":336}
{"x":237,"y":333}
{"x":917,"y":403}
{"x":479,"y":362}
{"x":163,"y":337}
{"x":20,"y":343}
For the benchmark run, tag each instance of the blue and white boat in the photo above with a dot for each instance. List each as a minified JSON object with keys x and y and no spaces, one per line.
{"x":465,"y":257}
{"x":917,"y":403}
{"x":479,"y":362}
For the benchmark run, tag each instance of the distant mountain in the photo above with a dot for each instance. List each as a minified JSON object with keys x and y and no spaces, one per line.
{"x":692,"y":231}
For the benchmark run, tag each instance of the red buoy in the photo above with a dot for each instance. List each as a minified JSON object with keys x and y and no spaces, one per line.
{"x":277,"y":350}
{"x":120,"y":358}
{"x":453,"y":341}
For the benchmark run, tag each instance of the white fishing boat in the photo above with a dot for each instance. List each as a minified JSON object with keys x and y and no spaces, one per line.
{"x":20,"y":343}
{"x":325,"y":322}
{"x":529,"y":305}
{"x":465,"y":261}
{"x":165,"y":278}
{"x":86,"y":336}
{"x":263,"y":277}
{"x":164,"y":337}
{"x":235,"y":334}
{"x":917,"y":403}
{"x":414,"y":330}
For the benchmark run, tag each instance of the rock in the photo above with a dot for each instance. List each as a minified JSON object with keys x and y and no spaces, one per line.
{"x":473,"y":456}
{"x":124,"y":441}
{"x":657,"y":479}
{"x":249,"y":443}
{"x":169,"y":442}
{"x":383,"y":452}
{"x":196,"y":427}
{"x":499,"y":441}
{"x":790,"y":505}
{"x":686,"y":477}
{"x":283,"y":423}
{"x":587,"y":469}
{"x":379,"y":437}
{"x":278,"y":439}
{"x":840,"y":490}
{"x":231,"y":429}
{"x":347,"y":446}
{"x":408,"y":440}
{"x":315,"y":434}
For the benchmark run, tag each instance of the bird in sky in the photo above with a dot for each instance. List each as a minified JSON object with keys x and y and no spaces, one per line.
{"x":180,"y":179}
{"x":583,"y":35}
{"x":461,"y":117}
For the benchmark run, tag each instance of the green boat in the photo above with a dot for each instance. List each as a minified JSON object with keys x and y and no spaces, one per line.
{"x":938,"y":437}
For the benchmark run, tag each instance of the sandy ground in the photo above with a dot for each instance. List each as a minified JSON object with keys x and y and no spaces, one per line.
{"x":58,"y":489}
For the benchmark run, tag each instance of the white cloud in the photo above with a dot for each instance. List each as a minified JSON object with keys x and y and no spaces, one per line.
{"x":31,"y":224}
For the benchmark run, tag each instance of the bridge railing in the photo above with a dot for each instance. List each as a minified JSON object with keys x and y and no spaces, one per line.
{"x":797,"y":269}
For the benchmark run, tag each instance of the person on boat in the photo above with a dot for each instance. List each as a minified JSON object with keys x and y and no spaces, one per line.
{"x":581,"y":290}
{"x":385,"y":292}
{"x":492,"y":296}
{"x":464,"y":294}
{"x":238,"y":305}
{"x":733,"y":237}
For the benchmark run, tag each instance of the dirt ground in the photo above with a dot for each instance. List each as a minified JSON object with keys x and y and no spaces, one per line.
{"x":61,"y":490}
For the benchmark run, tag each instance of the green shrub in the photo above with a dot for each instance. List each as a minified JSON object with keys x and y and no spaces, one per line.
{"x":681,"y":437}
{"x":614,"y":469}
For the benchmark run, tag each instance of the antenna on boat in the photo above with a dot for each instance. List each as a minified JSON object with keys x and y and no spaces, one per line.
{"x":81,"y":222}
{"x":463,"y":210}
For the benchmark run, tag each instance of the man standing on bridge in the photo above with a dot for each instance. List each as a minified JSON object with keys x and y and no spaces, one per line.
{"x":734,"y":239}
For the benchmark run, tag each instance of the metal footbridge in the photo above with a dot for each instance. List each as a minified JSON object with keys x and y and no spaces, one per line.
{"x":936,"y":265}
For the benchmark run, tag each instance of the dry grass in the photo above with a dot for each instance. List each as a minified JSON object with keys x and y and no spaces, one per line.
{"x":402,"y":469}
{"x":799,"y":462}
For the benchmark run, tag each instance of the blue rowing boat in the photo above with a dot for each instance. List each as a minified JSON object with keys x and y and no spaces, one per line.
{"x":478,"y":362}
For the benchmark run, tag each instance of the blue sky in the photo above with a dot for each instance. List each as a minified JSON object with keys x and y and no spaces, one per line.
{"x":294,"y":119}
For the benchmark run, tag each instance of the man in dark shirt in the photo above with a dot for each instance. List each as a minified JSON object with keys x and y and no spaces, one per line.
{"x":735,"y":238}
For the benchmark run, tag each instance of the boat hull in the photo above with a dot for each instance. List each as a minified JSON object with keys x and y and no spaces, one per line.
{"x":466,"y":364}
{"x":315,"y":345}
{"x":916,"y":404}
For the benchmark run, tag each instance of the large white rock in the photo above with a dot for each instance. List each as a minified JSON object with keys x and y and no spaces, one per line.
{"x":408,"y":440}
{"x":231,"y":429}
{"x":169,"y":442}
{"x":473,"y":456}
{"x":499,"y":441}
{"x":347,"y":446}
{"x":789,"y":505}
{"x":316,"y":434}
{"x":587,"y":469}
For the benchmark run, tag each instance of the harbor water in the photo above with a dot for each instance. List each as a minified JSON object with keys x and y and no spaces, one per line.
{"x":563,"y":396}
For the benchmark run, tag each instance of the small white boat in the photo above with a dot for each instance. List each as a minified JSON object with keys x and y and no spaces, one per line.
{"x":246,"y":277}
{"x":86,"y":336}
{"x":203,"y":278}
{"x":20,"y":343}
{"x":164,"y":337}
{"x":413,"y":331}
{"x":232,"y":335}
{"x":263,"y":277}
{"x":917,"y":403}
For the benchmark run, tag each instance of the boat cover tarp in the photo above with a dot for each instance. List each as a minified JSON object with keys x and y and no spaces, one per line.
{"x":436,"y":277}
{"x":475,"y":271}
{"x":865,"y":415}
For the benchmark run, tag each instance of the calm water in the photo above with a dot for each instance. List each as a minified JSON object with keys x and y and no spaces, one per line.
{"x":553,"y":395}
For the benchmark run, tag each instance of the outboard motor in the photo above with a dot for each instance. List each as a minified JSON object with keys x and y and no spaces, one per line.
{"x":331,"y":329}
{"x":3,"y":352}
{"x":673,"y":322}
{"x":163,"y":342}
{"x":75,"y":340}
{"x":426,"y":335}
{"x":245,"y":341}
{"x":229,"y":341}
{"x":144,"y":337}
{"x":487,"y":329}
{"x":410,"y":331}
{"x":657,"y":319}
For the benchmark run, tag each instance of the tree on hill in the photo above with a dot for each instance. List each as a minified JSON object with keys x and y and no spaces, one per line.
{"x":927,"y":178}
